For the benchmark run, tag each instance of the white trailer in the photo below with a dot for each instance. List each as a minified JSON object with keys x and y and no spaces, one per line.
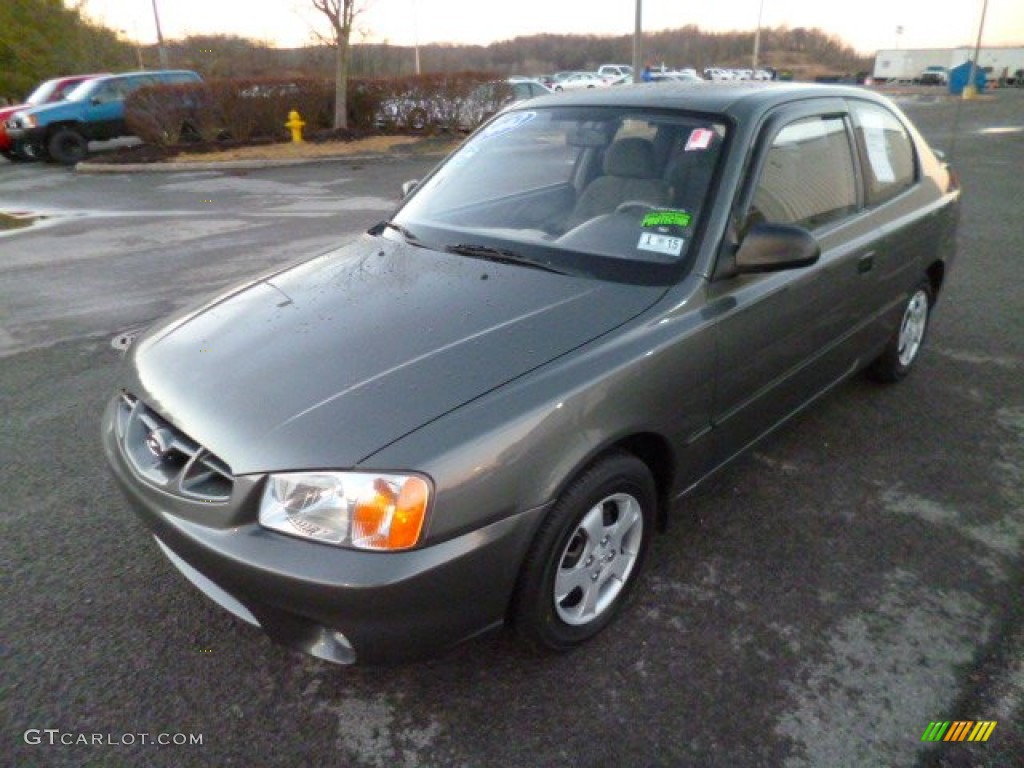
{"x":909,"y":63}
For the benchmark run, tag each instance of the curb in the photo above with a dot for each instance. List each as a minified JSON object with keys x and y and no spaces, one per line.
{"x":234,"y":165}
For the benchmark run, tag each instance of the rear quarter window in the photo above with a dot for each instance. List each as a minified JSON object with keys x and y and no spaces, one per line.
{"x":890,"y":164}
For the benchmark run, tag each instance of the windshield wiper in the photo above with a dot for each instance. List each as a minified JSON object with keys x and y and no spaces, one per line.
{"x":410,"y":238}
{"x":501,"y":255}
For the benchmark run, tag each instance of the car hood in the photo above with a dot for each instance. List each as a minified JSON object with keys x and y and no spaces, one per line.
{"x":47,"y":113}
{"x":327,"y":362}
{"x":6,"y":112}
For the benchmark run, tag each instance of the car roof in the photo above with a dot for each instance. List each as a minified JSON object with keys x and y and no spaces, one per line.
{"x":739,"y":99}
{"x":149,"y":72}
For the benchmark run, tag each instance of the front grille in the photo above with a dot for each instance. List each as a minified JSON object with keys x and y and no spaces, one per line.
{"x":167,"y":457}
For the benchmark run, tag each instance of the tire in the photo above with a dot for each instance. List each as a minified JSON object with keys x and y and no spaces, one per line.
{"x":417,"y":119}
{"x":587,"y":555}
{"x":905,"y":345}
{"x":189,"y":134}
{"x":20,"y":153}
{"x":67,"y":146}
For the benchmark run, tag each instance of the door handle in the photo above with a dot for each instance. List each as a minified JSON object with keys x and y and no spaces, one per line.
{"x":866,"y":263}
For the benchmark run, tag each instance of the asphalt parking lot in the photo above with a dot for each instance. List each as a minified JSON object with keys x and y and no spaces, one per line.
{"x":855,"y":578}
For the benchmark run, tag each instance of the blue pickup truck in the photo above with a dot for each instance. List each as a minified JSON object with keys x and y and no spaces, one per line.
{"x":94,"y":111}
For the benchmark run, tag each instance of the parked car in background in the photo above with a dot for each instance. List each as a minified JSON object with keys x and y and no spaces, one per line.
{"x":550,"y":80}
{"x":717,"y":73}
{"x":934,"y":75}
{"x":670,"y":76}
{"x":45,"y":93}
{"x":480,"y":412}
{"x":579,"y":81}
{"x":93,"y":111}
{"x":489,"y":98}
{"x":612,"y":72}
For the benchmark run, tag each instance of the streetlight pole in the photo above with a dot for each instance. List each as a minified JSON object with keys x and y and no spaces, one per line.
{"x":638,"y":34}
{"x":757,"y":36}
{"x":160,"y":39}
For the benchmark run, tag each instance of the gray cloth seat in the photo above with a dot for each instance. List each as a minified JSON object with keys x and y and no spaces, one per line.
{"x":630,"y":173}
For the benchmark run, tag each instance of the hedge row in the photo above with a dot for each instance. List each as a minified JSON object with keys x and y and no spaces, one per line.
{"x":254,"y":109}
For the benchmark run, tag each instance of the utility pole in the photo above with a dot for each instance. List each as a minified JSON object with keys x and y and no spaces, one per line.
{"x":970,"y":90}
{"x":757,"y":37}
{"x":416,"y":36}
{"x":638,"y":35}
{"x":160,"y":39}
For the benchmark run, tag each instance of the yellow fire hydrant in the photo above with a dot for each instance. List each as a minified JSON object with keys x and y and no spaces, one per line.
{"x":294,"y":124}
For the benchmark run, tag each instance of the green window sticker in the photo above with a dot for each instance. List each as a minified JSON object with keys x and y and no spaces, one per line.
{"x":666,"y":219}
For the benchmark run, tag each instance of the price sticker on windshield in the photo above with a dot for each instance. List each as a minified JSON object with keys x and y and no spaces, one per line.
{"x":666,"y":244}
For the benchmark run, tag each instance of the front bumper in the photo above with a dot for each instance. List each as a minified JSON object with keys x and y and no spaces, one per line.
{"x":23,"y":134}
{"x":389,"y":606}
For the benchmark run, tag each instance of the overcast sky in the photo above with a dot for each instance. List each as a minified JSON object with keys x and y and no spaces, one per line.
{"x":867,"y":25}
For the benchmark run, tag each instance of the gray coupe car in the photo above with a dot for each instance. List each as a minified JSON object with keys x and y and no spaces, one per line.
{"x":480,"y":412}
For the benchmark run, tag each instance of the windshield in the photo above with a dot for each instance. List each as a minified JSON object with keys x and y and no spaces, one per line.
{"x":574,"y":188}
{"x":81,"y":91}
{"x":43,"y":93}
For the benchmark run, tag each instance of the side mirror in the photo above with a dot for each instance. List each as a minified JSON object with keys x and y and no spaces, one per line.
{"x":408,"y":187}
{"x":95,"y":101}
{"x":774,"y":247}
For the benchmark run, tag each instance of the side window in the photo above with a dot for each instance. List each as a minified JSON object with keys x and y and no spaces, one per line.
{"x":133,"y":84}
{"x":177,"y":78}
{"x":887,"y":150}
{"x":108,"y":92}
{"x":808,"y":177}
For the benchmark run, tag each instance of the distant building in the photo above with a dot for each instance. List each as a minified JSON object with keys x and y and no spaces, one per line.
{"x":909,"y":63}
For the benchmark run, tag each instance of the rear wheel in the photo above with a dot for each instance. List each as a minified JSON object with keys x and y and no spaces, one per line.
{"x":907,"y":339}
{"x":587,"y":556}
{"x":67,"y":146}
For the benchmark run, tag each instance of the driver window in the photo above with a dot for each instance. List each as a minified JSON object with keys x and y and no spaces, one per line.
{"x":808,"y":176}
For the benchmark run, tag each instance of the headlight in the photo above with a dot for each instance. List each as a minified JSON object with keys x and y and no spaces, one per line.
{"x":23,"y":120}
{"x":364,"y":510}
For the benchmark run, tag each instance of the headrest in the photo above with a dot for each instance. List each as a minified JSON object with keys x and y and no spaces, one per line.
{"x":632,"y":158}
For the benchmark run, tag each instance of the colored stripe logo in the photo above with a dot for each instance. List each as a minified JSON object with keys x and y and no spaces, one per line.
{"x":959,"y":730}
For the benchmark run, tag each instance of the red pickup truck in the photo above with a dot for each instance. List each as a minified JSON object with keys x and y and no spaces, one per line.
{"x":45,"y":93}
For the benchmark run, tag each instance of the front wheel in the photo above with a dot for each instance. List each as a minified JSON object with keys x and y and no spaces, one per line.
{"x":587,"y":555}
{"x":907,"y":339}
{"x":67,"y":146}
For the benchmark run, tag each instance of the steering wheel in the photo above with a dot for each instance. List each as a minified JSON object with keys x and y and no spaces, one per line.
{"x":634,"y":206}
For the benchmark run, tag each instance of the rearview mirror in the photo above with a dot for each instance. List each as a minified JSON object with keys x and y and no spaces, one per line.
{"x":771,"y":247}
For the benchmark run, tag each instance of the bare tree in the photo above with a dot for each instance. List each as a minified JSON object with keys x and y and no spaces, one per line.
{"x":341,"y":14}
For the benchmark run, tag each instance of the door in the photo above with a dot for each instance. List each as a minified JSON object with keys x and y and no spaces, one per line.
{"x":781,"y":337}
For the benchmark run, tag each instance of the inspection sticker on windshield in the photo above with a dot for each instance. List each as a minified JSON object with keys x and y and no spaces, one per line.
{"x":670,"y":246}
{"x":666,"y":218}
{"x":699,"y":139}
